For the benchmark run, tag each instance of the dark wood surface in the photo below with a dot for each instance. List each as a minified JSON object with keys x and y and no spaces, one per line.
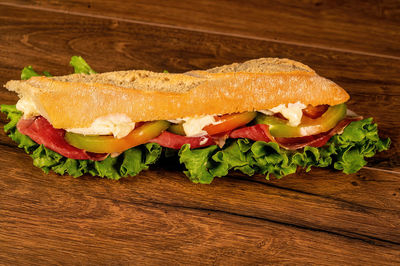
{"x":365,"y":27}
{"x":159,"y":217}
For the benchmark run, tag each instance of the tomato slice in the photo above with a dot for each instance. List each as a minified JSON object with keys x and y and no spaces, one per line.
{"x":227,"y":122}
{"x":315,"y":111}
{"x":109,"y":144}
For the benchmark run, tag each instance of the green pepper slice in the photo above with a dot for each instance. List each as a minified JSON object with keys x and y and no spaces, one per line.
{"x":308,"y":126}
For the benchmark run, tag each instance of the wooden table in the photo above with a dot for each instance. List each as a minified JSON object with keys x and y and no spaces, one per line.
{"x":159,"y":217}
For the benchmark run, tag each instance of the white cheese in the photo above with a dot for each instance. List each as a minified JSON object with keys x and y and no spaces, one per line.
{"x":266,"y":112}
{"x":26,"y":105}
{"x":293,"y":112}
{"x":118,"y":125}
{"x":175,"y":121}
{"x":193,"y":126}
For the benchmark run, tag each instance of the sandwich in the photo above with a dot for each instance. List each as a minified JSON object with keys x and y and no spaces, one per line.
{"x":265,"y":116}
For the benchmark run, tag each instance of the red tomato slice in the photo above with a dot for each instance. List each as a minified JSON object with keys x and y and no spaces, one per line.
{"x":229,"y":122}
{"x":315,"y":111}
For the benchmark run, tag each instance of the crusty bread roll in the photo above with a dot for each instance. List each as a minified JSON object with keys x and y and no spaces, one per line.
{"x":75,"y":101}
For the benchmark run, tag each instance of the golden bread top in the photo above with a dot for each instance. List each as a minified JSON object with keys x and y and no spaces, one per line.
{"x":76,"y":100}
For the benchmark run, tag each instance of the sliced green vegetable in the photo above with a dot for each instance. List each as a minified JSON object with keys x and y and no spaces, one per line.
{"x":110,"y":144}
{"x":279,"y":127}
{"x":177,"y":129}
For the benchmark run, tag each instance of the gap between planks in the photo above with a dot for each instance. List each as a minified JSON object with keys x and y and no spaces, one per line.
{"x":382,"y":170}
{"x":236,"y":35}
{"x":376,"y":241}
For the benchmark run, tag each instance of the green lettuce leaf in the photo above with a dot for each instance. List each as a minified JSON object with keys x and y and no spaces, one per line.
{"x":200,"y":169}
{"x":344,"y":152}
{"x":47,"y":74}
{"x":139,"y":158}
{"x":360,"y":139}
{"x":11,"y":128}
{"x":28,"y":72}
{"x":77,"y":62}
{"x":80,"y":65}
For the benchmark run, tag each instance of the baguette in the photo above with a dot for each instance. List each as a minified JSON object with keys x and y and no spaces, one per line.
{"x":75,"y":101}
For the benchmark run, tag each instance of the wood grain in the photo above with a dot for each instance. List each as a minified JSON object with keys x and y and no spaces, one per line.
{"x":133,"y":220}
{"x":363,"y":27}
{"x":322,"y":217}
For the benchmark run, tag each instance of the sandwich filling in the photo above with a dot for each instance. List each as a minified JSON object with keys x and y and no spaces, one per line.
{"x":292,"y":126}
{"x":120,"y":125}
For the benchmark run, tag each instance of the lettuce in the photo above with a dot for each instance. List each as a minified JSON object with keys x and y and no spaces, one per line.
{"x":200,"y":169}
{"x":28,"y":72}
{"x":77,"y":62}
{"x":80,"y":65}
{"x":359,"y":139}
{"x":346,"y":152}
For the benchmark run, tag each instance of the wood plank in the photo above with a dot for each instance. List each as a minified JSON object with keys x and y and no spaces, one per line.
{"x":25,"y":39}
{"x":365,"y":27}
{"x":322,"y":217}
{"x":241,"y":48}
{"x":158,"y":217}
{"x":338,"y":202}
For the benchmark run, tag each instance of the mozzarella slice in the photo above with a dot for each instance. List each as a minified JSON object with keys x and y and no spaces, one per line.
{"x":293,"y":112}
{"x":119,"y":125}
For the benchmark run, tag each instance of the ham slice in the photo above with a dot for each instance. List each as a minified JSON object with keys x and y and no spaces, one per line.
{"x":259,"y":132}
{"x":42,"y":132}
{"x":174,"y":141}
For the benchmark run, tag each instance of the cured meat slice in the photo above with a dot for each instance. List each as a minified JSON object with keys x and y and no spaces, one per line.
{"x":42,"y":132}
{"x":174,"y":141}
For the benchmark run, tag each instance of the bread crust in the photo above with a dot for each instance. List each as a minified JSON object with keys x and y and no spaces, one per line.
{"x":76,"y":104}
